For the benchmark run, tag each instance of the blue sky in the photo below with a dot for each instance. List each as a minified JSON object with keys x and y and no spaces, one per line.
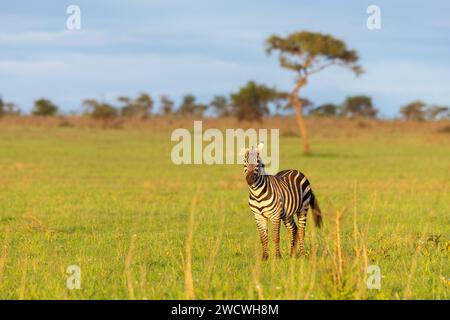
{"x":212,"y":47}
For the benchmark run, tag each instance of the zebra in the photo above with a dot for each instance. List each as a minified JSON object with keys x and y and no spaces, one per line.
{"x":279,"y":197}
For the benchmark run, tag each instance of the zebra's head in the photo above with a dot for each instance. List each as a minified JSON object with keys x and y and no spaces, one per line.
{"x":253,"y":164}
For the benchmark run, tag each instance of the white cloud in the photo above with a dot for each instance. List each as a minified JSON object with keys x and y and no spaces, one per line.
{"x":23,"y":69}
{"x":54,"y":38}
{"x":393,"y":77}
{"x":106,"y":76}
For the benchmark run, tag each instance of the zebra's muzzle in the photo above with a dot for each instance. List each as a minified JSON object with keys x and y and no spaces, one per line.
{"x":250,"y":176}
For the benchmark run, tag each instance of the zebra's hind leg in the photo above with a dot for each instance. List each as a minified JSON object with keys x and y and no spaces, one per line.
{"x":261,"y":224}
{"x":301,"y":231}
{"x":292,"y":228}
{"x":276,"y":236}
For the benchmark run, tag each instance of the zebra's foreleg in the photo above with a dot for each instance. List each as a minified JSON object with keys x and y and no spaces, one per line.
{"x":301,"y":231}
{"x":292,"y":228}
{"x":276,"y":222}
{"x":261,"y":224}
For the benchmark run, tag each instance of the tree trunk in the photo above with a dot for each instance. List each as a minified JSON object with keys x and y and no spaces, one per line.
{"x":301,"y":125}
{"x":299,"y":115}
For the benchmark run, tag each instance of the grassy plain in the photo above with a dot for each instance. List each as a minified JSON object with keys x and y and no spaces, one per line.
{"x":111,"y":201}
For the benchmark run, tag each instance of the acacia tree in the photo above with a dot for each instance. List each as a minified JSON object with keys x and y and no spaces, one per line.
{"x":221,"y":106}
{"x":305,"y":102}
{"x":190,"y":107}
{"x":11,"y":109}
{"x":8,"y":108}
{"x":436,"y":112}
{"x":307,"y":53}
{"x":252,"y":101}
{"x":415,"y":110}
{"x":138,"y":108}
{"x":44,"y":107}
{"x":325,"y":110}
{"x":359,"y":106}
{"x":100,"y":110}
{"x":166,"y":105}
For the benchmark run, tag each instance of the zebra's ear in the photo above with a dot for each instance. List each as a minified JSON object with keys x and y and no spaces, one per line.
{"x":243,"y":151}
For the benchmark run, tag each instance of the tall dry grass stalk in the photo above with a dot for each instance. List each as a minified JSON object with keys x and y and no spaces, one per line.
{"x":337,"y":221}
{"x":348,"y":268}
{"x":4,"y":254}
{"x":143,"y":280}
{"x":359,"y":264}
{"x":256,"y":273}
{"x":291,"y":276}
{"x":313,"y":264}
{"x":412,"y":270}
{"x":128,"y":272}
{"x":213,"y":254}
{"x":23,"y":281}
{"x":189,"y":283}
{"x":355,"y":223}
{"x":23,"y":278}
{"x":301,"y":273}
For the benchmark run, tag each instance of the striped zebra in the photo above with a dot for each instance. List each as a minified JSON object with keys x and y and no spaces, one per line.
{"x":276,"y":198}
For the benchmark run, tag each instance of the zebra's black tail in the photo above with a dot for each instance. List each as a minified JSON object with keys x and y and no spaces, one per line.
{"x":317,"y":214}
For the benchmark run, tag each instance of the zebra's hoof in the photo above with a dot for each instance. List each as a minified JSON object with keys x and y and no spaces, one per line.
{"x":264,"y":257}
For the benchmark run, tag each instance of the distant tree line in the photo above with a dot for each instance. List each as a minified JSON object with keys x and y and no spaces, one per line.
{"x":419,"y":110}
{"x":251,"y":102}
{"x":8,"y":108}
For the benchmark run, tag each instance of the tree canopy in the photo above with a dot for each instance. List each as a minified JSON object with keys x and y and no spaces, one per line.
{"x":166,"y":105}
{"x":435,"y":112}
{"x":44,"y":107}
{"x":221,"y":106}
{"x":140,"y":107}
{"x":325,"y":110}
{"x":309,"y":52}
{"x":190,"y":107}
{"x":100,"y":110}
{"x":359,"y":106}
{"x":252,"y":101}
{"x":414,"y":110}
{"x":289,"y":106}
{"x":8,"y":108}
{"x":419,"y":110}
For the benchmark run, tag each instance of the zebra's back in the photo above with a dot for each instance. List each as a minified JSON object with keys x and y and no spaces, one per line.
{"x":297,"y":190}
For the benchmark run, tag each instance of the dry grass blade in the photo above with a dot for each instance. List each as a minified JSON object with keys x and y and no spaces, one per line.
{"x":23,"y":278}
{"x":189,"y":283}
{"x":213,"y":255}
{"x":4,"y":254}
{"x":413,"y":267}
{"x":339,"y":247}
{"x":128,"y":272}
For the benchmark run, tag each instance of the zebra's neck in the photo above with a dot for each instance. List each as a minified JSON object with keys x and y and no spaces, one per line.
{"x":259,"y":184}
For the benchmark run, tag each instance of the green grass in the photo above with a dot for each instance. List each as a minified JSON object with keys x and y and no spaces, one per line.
{"x":112,"y":202}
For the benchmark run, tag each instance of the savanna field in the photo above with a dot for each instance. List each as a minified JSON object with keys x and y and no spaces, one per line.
{"x":109,"y":200}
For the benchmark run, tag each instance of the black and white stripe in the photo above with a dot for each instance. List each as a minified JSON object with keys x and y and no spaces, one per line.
{"x":279,"y":198}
